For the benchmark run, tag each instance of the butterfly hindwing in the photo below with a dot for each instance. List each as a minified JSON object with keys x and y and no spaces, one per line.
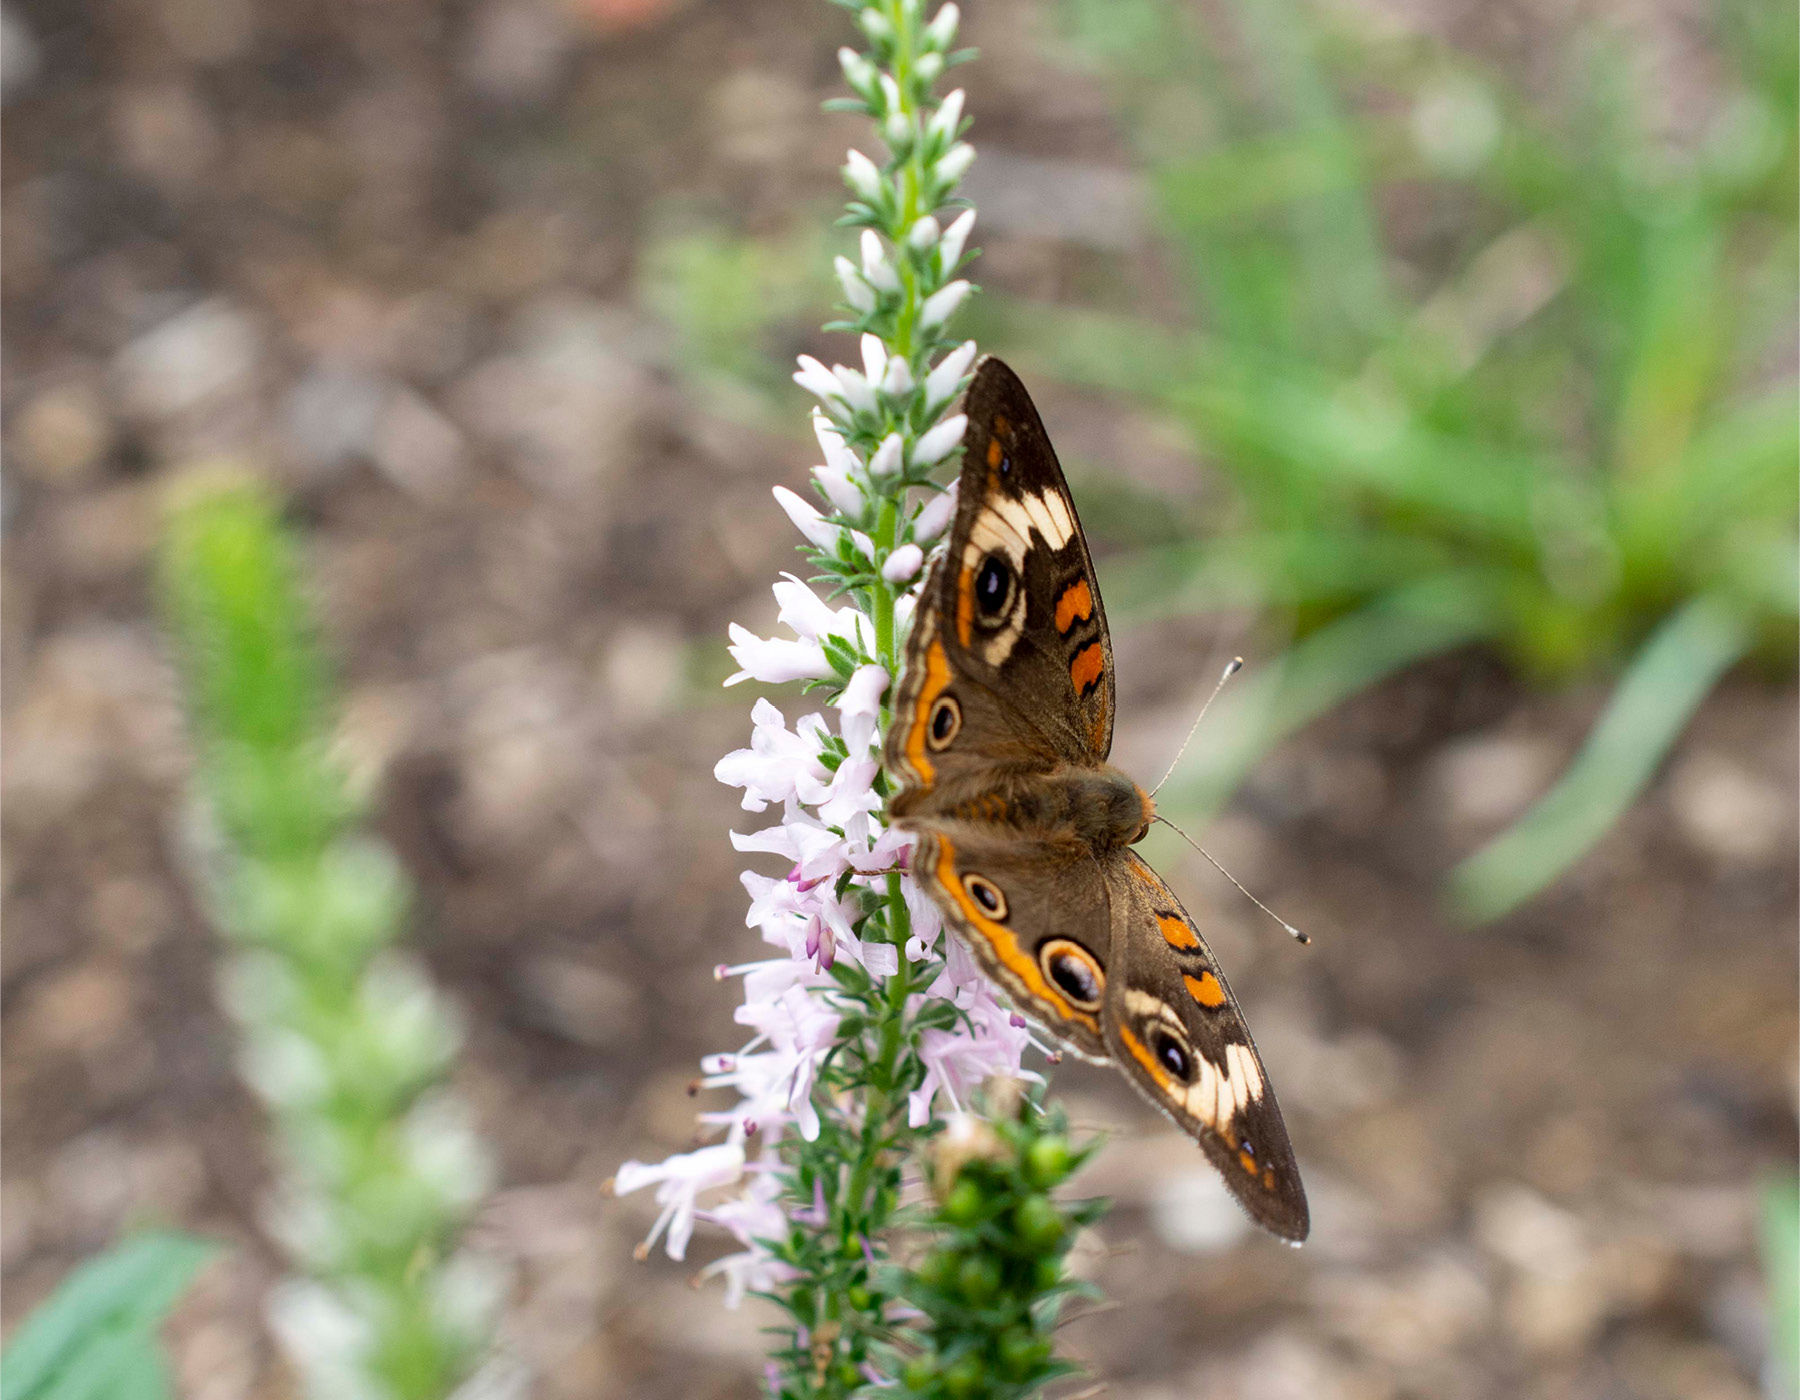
{"x":1174,"y":1027}
{"x":1035,"y":923}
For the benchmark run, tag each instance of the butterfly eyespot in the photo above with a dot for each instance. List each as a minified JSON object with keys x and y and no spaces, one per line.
{"x":987,"y":894}
{"x":946,"y":722}
{"x":993,"y":586}
{"x":1005,"y":465}
{"x":1247,"y":1147}
{"x":1172,"y":1055}
{"x":1075,"y":970}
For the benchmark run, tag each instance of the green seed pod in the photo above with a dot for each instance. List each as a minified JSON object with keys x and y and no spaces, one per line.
{"x":964,"y":1203}
{"x":1048,"y":1160}
{"x":978,"y":1278}
{"x":1038,"y":1223}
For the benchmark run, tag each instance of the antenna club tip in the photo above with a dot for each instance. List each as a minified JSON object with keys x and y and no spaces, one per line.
{"x":1298,"y":936}
{"x":1235,"y":665}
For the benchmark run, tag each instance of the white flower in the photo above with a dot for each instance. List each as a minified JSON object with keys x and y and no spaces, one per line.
{"x":860,"y":703}
{"x":862,"y":175}
{"x":929,"y":66}
{"x":887,"y":458}
{"x":937,"y":513}
{"x":754,"y":1218}
{"x":941,"y":32}
{"x":942,"y":304}
{"x":876,"y":269}
{"x":678,"y":1181}
{"x":946,"y":376}
{"x":817,"y":380}
{"x":960,"y":1060}
{"x":903,"y":563}
{"x":773,"y":661}
{"x":924,"y":233}
{"x":948,"y":117}
{"x":776,"y":760}
{"x":897,"y":383}
{"x":817,"y":529}
{"x":937,"y":444}
{"x":874,"y":357}
{"x":857,"y":291}
{"x":840,"y":490}
{"x":859,"y":73}
{"x":854,"y":389}
{"x":950,"y":250}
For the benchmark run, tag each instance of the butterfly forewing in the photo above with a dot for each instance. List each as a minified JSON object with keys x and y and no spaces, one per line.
{"x":1010,"y":646}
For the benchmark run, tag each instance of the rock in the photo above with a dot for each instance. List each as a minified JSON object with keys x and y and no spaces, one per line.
{"x":82,"y":1009}
{"x":516,"y":49}
{"x":1414,"y":1317}
{"x":205,"y":352}
{"x":330,"y":417}
{"x":419,"y":449}
{"x":20,"y":58}
{"x":565,"y":405}
{"x":1730,"y":814}
{"x":100,"y":535}
{"x":644,"y":667}
{"x":62,"y":434}
{"x":1485,"y":782}
{"x":1194,"y":1213}
{"x":165,"y":135}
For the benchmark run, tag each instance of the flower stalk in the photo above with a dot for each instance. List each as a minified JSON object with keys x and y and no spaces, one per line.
{"x":868,"y":1024}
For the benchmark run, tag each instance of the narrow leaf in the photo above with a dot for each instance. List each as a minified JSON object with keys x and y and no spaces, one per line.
{"x":1665,"y":684}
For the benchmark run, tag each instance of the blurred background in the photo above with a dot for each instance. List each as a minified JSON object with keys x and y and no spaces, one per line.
{"x":1438,"y":357}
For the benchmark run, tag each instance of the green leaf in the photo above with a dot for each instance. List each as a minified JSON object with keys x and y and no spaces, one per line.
{"x":95,"y":1337}
{"x":1664,"y":685}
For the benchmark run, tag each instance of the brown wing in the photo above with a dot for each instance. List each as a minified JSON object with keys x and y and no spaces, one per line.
{"x":1037,"y":921}
{"x":1175,"y":1029}
{"x":1009,"y":665}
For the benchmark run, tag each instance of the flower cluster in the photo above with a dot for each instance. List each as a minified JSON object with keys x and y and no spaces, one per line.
{"x":865,"y":1023}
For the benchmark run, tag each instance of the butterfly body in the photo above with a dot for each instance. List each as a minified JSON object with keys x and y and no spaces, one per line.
{"x":1002,"y":730}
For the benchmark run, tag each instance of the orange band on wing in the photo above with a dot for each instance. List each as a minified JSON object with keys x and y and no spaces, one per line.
{"x":937,"y":677}
{"x":1206,"y":990}
{"x":1075,"y":605}
{"x":1141,"y":1053}
{"x":1176,"y":933}
{"x":995,"y":452}
{"x":965,"y":603}
{"x":1004,"y":943}
{"x":1085,"y":670}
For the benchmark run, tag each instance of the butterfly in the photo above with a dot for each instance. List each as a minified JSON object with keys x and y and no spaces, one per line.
{"x":1003,"y":720}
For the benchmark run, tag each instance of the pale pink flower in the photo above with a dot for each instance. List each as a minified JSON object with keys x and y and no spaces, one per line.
{"x":678,"y":1181}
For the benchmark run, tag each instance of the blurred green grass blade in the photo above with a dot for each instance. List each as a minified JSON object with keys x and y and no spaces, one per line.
{"x":1664,"y":685}
{"x":1319,"y":672}
{"x":1781,"y":1268}
{"x":94,"y":1338}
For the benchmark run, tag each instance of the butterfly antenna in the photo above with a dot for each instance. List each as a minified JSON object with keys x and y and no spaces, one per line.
{"x":1237,"y":664}
{"x":1292,"y":932}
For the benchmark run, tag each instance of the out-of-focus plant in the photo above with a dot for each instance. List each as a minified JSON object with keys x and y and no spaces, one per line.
{"x":345,"y":1039}
{"x":95,"y":1338}
{"x":1557,"y":418}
